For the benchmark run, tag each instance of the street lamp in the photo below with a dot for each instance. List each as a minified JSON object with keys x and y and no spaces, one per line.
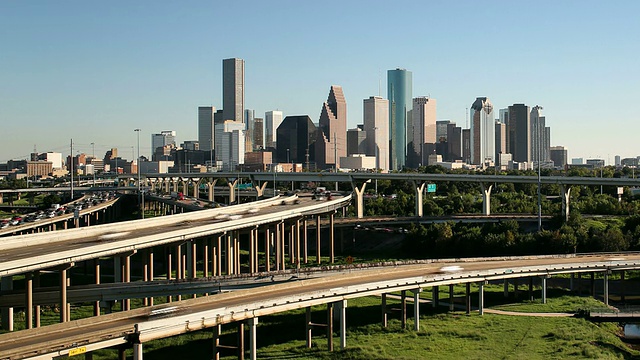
{"x":138,"y":168}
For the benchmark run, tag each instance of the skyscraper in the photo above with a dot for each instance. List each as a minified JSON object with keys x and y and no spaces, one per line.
{"x":206,"y":129}
{"x":540,"y":136}
{"x":162,"y":139}
{"x":400,"y":94}
{"x":483,"y":131}
{"x":356,"y":141}
{"x":423,"y":129}
{"x":249,"y":116}
{"x":258,"y":134}
{"x":230,"y":147}
{"x":519,"y":133}
{"x":272,"y":120}
{"x":232,"y":89}
{"x":331,"y":141}
{"x":454,"y":142}
{"x":559,"y":155}
{"x":296,"y":137}
{"x":376,"y":126}
{"x":501,"y":139}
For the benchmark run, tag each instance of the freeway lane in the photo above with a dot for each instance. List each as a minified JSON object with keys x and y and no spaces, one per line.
{"x":20,"y":254}
{"x":194,"y":314}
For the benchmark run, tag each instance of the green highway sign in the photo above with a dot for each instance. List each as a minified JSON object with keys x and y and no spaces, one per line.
{"x":431,"y":188}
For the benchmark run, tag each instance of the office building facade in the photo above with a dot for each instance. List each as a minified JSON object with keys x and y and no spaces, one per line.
{"x":331,"y":140}
{"x":519,"y":133}
{"x":272,"y":120}
{"x":483,"y":132}
{"x":296,"y":140}
{"x":376,"y":127}
{"x":560,"y":156}
{"x":540,"y":136}
{"x":233,"y":89}
{"x":230,"y":147}
{"x":206,"y":128}
{"x":400,"y":95}
{"x":422,"y":131}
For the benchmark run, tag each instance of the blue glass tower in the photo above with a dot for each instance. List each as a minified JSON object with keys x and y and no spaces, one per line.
{"x":399,"y":92}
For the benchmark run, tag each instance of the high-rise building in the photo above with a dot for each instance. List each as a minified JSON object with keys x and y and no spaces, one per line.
{"x":356,"y":141}
{"x":162,"y":139}
{"x":519,"y":133}
{"x":501,"y":140}
{"x":229,"y":145}
{"x":559,"y":156}
{"x":540,"y":136}
{"x":206,"y":128}
{"x":376,"y":126}
{"x":504,"y":116}
{"x":466,"y":145}
{"x":454,"y":142}
{"x":423,"y":129}
{"x":53,"y":157}
{"x":441,"y":130}
{"x":258,"y":134}
{"x":331,"y":141}
{"x":296,"y":138}
{"x":400,"y":95}
{"x":272,"y":120}
{"x":249,"y":116}
{"x":483,"y":132}
{"x":190,"y":145}
{"x":617,"y":160}
{"x":233,"y":89}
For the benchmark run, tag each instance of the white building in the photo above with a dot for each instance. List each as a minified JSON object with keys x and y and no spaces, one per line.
{"x":53,"y":157}
{"x":164,"y":138}
{"x":424,"y":127}
{"x":482,"y":139}
{"x":206,"y":130}
{"x":229,"y":144}
{"x":376,"y":127}
{"x":358,"y":162}
{"x":272,"y":119}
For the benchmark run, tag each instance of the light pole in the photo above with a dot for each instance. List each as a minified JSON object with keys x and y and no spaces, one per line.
{"x":138,"y":168}
{"x":539,"y":146}
{"x":211,"y":156}
{"x":375,"y":149}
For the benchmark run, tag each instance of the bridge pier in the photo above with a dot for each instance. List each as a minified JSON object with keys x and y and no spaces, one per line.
{"x":605,"y":292}
{"x":543,"y":280}
{"x":267,"y":249}
{"x":211,"y":189}
{"x":481,"y":297}
{"x":342,"y":305}
{"x":7,"y":313}
{"x":332,"y":244}
{"x":468,"y":298}
{"x":360,"y":199}
{"x":305,"y":231}
{"x":416,"y":308}
{"x":565,"y":193}
{"x":137,"y":351}
{"x":384,"y":310}
{"x":36,"y":284}
{"x":276,"y":245}
{"x":451,"y":298}
{"x":65,"y":315}
{"x":403,"y":309}
{"x":216,"y":341}
{"x":281,"y":242}
{"x":486,"y":199}
{"x":506,"y":288}
{"x":530,"y":288}
{"x":232,"y":191}
{"x":96,"y":304}
{"x":260,"y":190}
{"x":297,"y":243}
{"x":435,"y":294}
{"x":253,"y":322}
{"x":318,"y":258}
{"x":169,"y":270}
{"x":330,"y":326}
{"x":419,"y":191}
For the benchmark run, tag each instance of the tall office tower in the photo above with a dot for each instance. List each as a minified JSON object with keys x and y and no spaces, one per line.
{"x":519,"y":133}
{"x":249,"y":116}
{"x":376,"y":126}
{"x":423,"y":130}
{"x":504,"y":116}
{"x":356,"y":141}
{"x":258,"y":134}
{"x":272,"y":120}
{"x":400,"y":95}
{"x":617,"y":160}
{"x":331,"y":141}
{"x":559,"y":156}
{"x":206,"y":129}
{"x":454,"y":142}
{"x":540,"y":136}
{"x":441,"y":130}
{"x":162,"y":139}
{"x":501,"y":139}
{"x":466,"y":145}
{"x":483,"y":132}
{"x":233,"y":89}
{"x":296,"y":138}
{"x":190,"y":145}
{"x":229,"y":145}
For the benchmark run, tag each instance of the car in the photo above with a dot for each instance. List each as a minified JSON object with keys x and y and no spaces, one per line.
{"x":450,"y":269}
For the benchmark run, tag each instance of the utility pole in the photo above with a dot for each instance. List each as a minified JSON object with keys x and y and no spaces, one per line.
{"x":141,"y":199}
{"x":71,"y":168}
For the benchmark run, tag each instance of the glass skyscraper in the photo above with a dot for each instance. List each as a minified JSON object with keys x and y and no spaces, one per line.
{"x":399,"y":92}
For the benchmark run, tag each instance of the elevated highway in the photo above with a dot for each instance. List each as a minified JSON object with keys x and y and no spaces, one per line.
{"x":138,"y":326}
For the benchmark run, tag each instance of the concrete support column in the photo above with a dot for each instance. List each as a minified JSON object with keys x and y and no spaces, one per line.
{"x":384,"y":310}
{"x":304,"y":240}
{"x":506,"y":288}
{"x":126,"y":304}
{"x":318,"y":256}
{"x":137,"y":351}
{"x":252,"y":264}
{"x":297,"y":242}
{"x":96,"y":304}
{"x":451,"y":297}
{"x":216,"y":342}
{"x":229,"y":255}
{"x":36,"y":284}
{"x":331,"y":237}
{"x":403,"y":309}
{"x":330,"y":326}
{"x":253,"y":322}
{"x":219,"y":255}
{"x":210,"y":189}
{"x":267,"y":249}
{"x":169,"y":270}
{"x":308,"y":326}
{"x":481,"y":297}
{"x":435,"y":294}
{"x":241,"y":340}
{"x":232,"y":190}
{"x":28,"y":308}
{"x":543,"y":283}
{"x":343,"y":324}
{"x":150,"y":270}
{"x":276,"y":246}
{"x":416,"y":308}
{"x":193,"y":259}
{"x":282,"y":262}
{"x":64,"y":316}
{"x":486,"y":199}
{"x":531,"y":288}
{"x":196,"y":188}
{"x":360,"y":200}
{"x":565,"y":193}
{"x":622,"y":292}
{"x":467,"y":298}
{"x":605,"y":292}
{"x":419,"y":191}
{"x":7,"y":312}
{"x":260,"y":190}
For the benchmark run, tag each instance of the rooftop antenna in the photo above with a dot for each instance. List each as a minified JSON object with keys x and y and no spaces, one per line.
{"x":379,"y":83}
{"x":466,"y":119}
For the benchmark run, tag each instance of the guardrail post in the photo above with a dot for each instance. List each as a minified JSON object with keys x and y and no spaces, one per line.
{"x":7,"y":312}
{"x":451,"y":298}
{"x":486,"y":199}
{"x":416,"y":308}
{"x":253,"y":322}
{"x":606,"y":287}
{"x":481,"y":297}
{"x":384,"y":310}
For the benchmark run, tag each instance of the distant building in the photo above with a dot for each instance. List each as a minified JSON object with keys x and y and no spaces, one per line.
{"x":358,"y":162}
{"x":400,"y":95}
{"x":296,"y":140}
{"x":356,"y":141}
{"x":164,"y":138}
{"x":230,"y":148}
{"x":482,"y":132}
{"x":190,"y":145}
{"x":258,"y":134}
{"x":331,"y":140}
{"x":577,"y":161}
{"x":540,"y":136}
{"x":206,"y":128}
{"x":454,"y":142}
{"x":422,"y":133}
{"x":249,"y":122}
{"x":376,"y":127}
{"x":36,"y":169}
{"x":232,"y":89}
{"x":272,"y":120}
{"x":559,"y":156}
{"x":631,"y":162}
{"x":617,"y":160}
{"x":501,"y":140}
{"x":596,"y":163}
{"x":98,"y":164}
{"x":466,"y":145}
{"x":257,"y":161}
{"x":54,"y":157}
{"x":519,"y":133}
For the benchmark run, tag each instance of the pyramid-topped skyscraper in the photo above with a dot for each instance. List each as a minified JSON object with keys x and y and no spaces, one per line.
{"x":331,"y":141}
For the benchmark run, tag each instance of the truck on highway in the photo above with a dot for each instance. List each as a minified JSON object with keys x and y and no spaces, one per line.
{"x":177,"y":195}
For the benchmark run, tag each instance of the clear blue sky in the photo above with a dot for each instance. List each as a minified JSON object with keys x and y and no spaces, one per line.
{"x":95,"y":70}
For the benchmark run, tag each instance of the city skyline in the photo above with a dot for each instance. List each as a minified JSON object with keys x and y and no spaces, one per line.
{"x":94,"y":73}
